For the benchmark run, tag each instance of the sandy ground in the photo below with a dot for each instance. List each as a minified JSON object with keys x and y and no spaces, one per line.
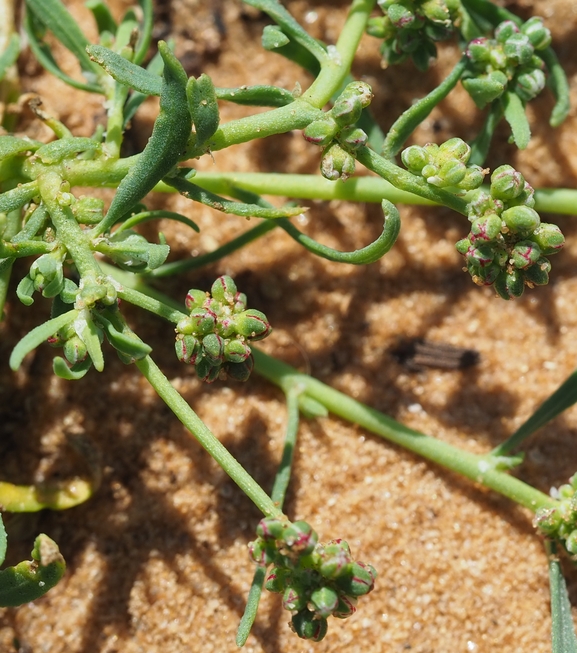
{"x":157,"y":559}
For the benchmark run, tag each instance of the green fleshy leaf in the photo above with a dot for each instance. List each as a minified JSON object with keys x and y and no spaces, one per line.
{"x":12,"y":145}
{"x":194,"y":192}
{"x":54,"y":16}
{"x":256,"y":96}
{"x":29,"y":580}
{"x":203,"y":107}
{"x":64,"y":148}
{"x":71,"y":373}
{"x":102,"y":15}
{"x":90,"y":335}
{"x":514,"y":111}
{"x":563,"y":637}
{"x":38,"y":335}
{"x":364,"y":256}
{"x":145,"y":216}
{"x":10,"y":55}
{"x":564,"y":397}
{"x":17,"y":197}
{"x":124,"y":71}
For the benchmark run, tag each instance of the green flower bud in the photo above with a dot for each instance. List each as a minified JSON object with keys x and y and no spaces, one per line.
{"x":295,"y":596}
{"x":380,"y":27}
{"x":252,"y":324}
{"x":88,"y":210}
{"x":538,"y":274}
{"x":263,"y":553}
{"x":537,"y":33}
{"x":270,"y":528}
{"x":506,"y":183}
{"x":335,"y":558}
{"x":75,"y":350}
{"x":401,"y":17}
{"x":194,"y":299}
{"x":206,"y":370}
{"x":337,"y":163}
{"x":479,"y":51}
{"x":346,"y":606}
{"x":213,"y":348}
{"x":525,"y":253}
{"x":521,"y":220}
{"x":224,"y":289}
{"x":518,"y":49}
{"x":451,"y":173}
{"x":505,"y":30}
{"x":240,"y":302}
{"x":308,"y":626}
{"x":239,"y":371}
{"x":132,"y":252}
{"x":454,"y":148}
{"x":346,"y":110}
{"x":187,"y":349}
{"x":571,"y":543}
{"x":360,"y":90}
{"x":473,"y":178}
{"x":300,"y":537}
{"x":529,"y":84}
{"x":359,"y":579}
{"x":353,"y":137}
{"x":479,"y":255}
{"x":481,"y":203}
{"x":202,"y":322}
{"x":277,"y":580}
{"x":525,"y":198}
{"x":462,"y":246}
{"x":430,"y":171}
{"x":486,"y":228}
{"x":510,"y":284}
{"x":415,"y":158}
{"x":323,"y":601}
{"x":485,"y":276}
{"x":498,"y":60}
{"x":485,"y":88}
{"x":436,"y":11}
{"x":549,"y":238}
{"x":236,"y":351}
{"x":321,"y":132}
{"x":69,"y":291}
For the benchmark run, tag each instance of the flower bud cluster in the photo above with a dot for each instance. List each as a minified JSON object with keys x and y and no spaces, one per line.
{"x":508,"y":245}
{"x":215,"y":336}
{"x":445,"y":165}
{"x":560,"y":522}
{"x":507,"y":61}
{"x":316,"y":580}
{"x":337,"y":134}
{"x":410,"y":28}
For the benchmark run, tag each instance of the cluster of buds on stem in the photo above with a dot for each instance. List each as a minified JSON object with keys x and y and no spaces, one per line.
{"x":508,"y":245}
{"x":215,"y":336}
{"x":507,"y":61}
{"x":410,"y":28}
{"x":445,"y":165}
{"x":316,"y":580}
{"x":337,"y":134}
{"x":560,"y":522}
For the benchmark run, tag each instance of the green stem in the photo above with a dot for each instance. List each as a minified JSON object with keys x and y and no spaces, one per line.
{"x":296,"y":115}
{"x":356,"y":189}
{"x":404,"y":126}
{"x":337,"y":67}
{"x":69,"y":232}
{"x":206,"y":438}
{"x":407,"y":181}
{"x":472,"y":466}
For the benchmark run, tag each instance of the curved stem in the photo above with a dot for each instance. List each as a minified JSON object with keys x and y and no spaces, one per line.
{"x":477,"y":468}
{"x":207,"y":439}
